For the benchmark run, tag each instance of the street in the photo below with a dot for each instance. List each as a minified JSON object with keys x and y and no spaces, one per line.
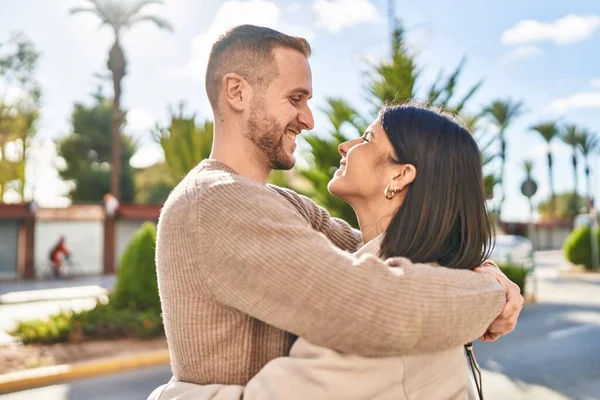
{"x":554,"y":354}
{"x":130,"y":385}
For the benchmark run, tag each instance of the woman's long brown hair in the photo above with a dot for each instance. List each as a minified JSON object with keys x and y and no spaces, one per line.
{"x":443,"y":218}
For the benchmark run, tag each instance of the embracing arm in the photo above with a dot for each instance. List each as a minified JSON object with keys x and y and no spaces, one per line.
{"x":335,"y":229}
{"x":267,"y":262}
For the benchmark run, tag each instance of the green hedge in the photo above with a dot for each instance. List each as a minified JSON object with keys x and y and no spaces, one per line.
{"x":137,"y":286}
{"x":578,"y":246}
{"x":515,"y":273}
{"x":102,"y":322}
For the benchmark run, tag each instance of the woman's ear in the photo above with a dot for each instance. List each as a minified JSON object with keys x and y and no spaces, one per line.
{"x":404,"y":175}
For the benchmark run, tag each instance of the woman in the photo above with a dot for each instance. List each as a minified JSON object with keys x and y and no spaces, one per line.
{"x":415,"y":182}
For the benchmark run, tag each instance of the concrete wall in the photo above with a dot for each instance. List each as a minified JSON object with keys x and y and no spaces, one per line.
{"x":545,"y":238}
{"x":85,"y":240}
{"x":9,"y":249}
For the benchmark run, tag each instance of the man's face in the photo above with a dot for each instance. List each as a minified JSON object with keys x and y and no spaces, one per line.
{"x":279,"y":114}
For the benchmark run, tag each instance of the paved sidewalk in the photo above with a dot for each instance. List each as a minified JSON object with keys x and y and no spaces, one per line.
{"x":18,"y":291}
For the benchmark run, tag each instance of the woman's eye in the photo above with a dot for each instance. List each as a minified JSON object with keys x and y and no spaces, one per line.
{"x":366,"y":139}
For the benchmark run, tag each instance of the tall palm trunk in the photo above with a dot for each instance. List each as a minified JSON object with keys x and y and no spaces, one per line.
{"x":502,"y":170}
{"x":116,"y":64}
{"x":588,"y":184}
{"x":551,"y":182}
{"x":575,"y":179}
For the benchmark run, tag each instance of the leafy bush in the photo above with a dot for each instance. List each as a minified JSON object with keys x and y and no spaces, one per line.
{"x":102,"y":322}
{"x":515,"y":273}
{"x":54,"y":330}
{"x":578,"y":246}
{"x":137,"y":286}
{"x":105,"y":322}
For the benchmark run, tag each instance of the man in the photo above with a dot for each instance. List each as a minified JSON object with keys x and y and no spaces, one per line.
{"x":244,"y":268}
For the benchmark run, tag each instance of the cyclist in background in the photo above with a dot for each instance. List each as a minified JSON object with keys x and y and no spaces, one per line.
{"x":57,"y":253}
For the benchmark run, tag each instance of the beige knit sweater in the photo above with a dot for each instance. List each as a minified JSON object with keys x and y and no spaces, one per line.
{"x":241,"y":264}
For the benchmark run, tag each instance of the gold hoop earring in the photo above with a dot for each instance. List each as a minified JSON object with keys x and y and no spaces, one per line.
{"x":387,"y":191}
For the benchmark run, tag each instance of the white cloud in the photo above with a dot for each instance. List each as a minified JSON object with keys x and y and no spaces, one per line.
{"x":336,"y":15}
{"x":294,"y":7}
{"x":522,"y":52}
{"x":575,"y":101}
{"x":230,"y":14}
{"x":566,"y":30}
{"x":147,"y":156}
{"x":595,"y":83}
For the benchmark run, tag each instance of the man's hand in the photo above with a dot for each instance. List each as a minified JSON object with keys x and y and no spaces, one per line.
{"x":507,"y":320}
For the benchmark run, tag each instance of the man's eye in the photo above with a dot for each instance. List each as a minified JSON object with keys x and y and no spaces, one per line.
{"x":295,"y":100}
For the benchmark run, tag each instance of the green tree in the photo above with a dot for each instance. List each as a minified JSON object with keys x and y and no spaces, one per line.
{"x":185,"y":143}
{"x":502,"y":113}
{"x":571,"y":136}
{"x":565,"y":207}
{"x":486,"y":142}
{"x":87,"y":152}
{"x":119,"y":16}
{"x":18,"y":116}
{"x":588,"y":144}
{"x":548,"y":131}
{"x":391,"y":81}
{"x":528,"y":168}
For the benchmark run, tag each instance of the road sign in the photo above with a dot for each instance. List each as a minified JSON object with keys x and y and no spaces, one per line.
{"x":529,"y":187}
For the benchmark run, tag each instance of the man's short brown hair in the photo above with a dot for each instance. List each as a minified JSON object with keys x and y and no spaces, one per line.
{"x":247,"y":50}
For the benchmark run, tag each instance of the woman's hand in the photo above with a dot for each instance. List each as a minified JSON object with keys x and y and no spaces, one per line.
{"x":507,"y":320}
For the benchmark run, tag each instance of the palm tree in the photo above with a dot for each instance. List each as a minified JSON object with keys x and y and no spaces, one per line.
{"x":502,"y":113}
{"x":528,"y":168}
{"x":549,"y":131}
{"x":588,"y":144}
{"x":119,"y":16}
{"x":571,"y":136}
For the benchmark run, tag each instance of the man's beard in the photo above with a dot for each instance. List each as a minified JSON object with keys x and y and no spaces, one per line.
{"x":268,"y":135}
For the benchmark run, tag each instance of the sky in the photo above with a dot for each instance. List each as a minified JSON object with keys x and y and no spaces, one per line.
{"x":544,"y":53}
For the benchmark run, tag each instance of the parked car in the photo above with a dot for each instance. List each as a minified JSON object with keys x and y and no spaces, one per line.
{"x":513,"y":249}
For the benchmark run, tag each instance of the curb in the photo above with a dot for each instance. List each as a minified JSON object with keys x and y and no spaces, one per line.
{"x":45,"y":376}
{"x":55,"y":294}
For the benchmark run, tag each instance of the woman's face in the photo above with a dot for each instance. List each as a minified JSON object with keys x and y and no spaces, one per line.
{"x":365,"y":169}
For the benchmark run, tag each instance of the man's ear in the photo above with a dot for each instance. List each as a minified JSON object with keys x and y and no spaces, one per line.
{"x":236,"y":91}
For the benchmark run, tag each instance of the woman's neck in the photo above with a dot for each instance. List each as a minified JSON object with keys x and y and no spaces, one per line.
{"x":374,"y":219}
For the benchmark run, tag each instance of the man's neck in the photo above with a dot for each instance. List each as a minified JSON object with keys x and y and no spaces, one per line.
{"x":242,"y":158}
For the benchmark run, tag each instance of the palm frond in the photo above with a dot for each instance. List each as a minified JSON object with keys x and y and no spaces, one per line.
{"x":548,"y":130}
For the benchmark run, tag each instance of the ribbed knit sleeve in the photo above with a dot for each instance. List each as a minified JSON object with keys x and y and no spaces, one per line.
{"x":259,"y":256}
{"x":337,"y":230}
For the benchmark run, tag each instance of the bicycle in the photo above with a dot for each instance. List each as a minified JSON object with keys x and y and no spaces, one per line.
{"x":68,"y":270}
